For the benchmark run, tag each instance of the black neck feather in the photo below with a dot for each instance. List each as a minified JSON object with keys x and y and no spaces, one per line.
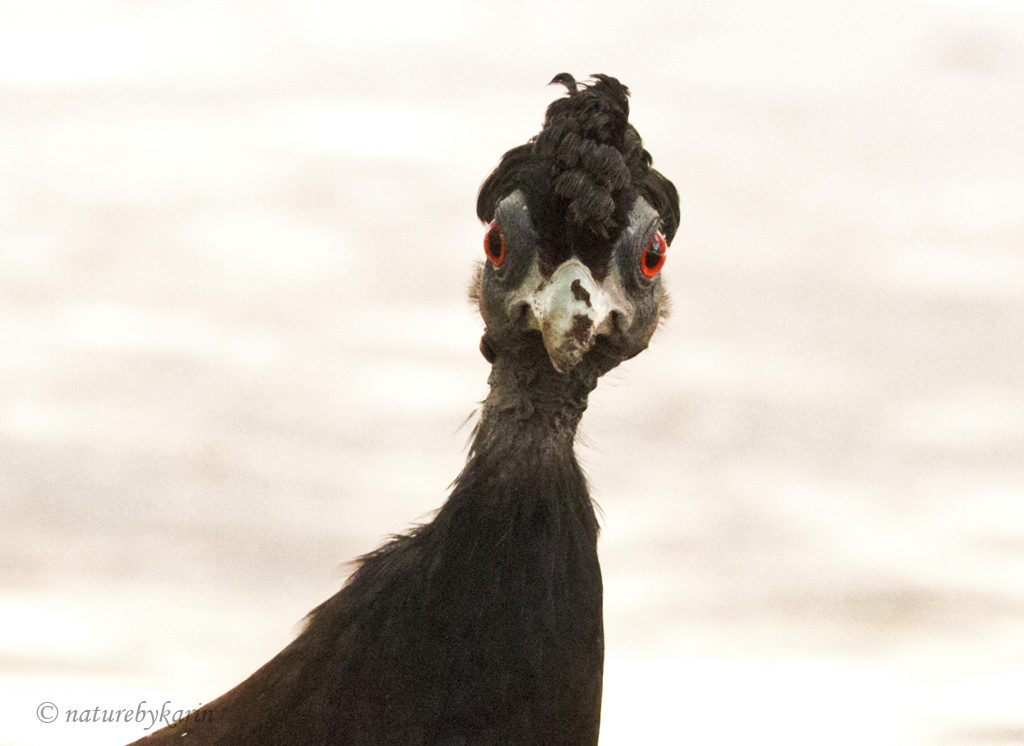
{"x":521,"y":458}
{"x":514,"y":595}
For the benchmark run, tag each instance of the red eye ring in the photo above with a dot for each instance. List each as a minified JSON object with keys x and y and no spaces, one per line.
{"x":494,"y":244}
{"x":653,"y":258}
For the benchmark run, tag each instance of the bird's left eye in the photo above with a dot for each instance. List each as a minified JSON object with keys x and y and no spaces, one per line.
{"x":653,"y":258}
{"x":494,"y":244}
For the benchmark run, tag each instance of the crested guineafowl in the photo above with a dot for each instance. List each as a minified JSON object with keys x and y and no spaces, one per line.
{"x":484,"y":626}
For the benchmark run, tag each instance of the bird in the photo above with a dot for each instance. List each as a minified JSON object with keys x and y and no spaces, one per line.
{"x":484,"y":625}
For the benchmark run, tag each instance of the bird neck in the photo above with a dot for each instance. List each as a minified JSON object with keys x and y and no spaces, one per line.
{"x":522,"y":478}
{"x":521,"y":458}
{"x":512,"y":593}
{"x":532,"y":405}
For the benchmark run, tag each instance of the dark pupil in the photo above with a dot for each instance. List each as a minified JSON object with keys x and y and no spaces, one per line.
{"x":494,"y":241}
{"x":652,"y":256}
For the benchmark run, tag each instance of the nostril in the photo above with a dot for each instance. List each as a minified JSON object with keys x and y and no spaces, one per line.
{"x":580,"y":293}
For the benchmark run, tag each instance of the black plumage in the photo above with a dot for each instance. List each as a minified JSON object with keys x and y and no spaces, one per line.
{"x":484,"y":626}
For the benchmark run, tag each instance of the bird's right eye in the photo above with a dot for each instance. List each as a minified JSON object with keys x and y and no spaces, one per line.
{"x":494,"y":244}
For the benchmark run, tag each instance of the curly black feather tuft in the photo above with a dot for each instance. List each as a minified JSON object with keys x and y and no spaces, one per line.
{"x":583,"y":170}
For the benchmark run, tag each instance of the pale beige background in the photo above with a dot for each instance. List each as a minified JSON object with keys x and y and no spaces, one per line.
{"x":235,"y":352}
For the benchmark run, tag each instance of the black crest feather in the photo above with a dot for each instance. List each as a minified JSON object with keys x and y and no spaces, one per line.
{"x":583,"y":170}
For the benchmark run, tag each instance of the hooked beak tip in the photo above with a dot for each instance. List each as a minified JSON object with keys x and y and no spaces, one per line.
{"x":566,"y":347}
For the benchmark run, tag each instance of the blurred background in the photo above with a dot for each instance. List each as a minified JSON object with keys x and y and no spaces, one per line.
{"x":236,"y":351}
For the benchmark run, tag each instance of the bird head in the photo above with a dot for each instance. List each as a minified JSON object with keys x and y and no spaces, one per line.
{"x":578,"y":228}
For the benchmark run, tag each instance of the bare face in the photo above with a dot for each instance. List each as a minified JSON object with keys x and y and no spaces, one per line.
{"x":590,"y":314}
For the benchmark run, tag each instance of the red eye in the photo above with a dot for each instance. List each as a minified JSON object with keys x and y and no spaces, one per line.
{"x":494,"y":244}
{"x":653,"y":258}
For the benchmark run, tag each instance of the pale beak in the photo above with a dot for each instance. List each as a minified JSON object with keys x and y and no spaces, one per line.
{"x":570,"y":310}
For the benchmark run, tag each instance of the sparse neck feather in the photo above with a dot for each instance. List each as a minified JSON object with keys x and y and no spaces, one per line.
{"x":522,"y":450}
{"x":533,"y":402}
